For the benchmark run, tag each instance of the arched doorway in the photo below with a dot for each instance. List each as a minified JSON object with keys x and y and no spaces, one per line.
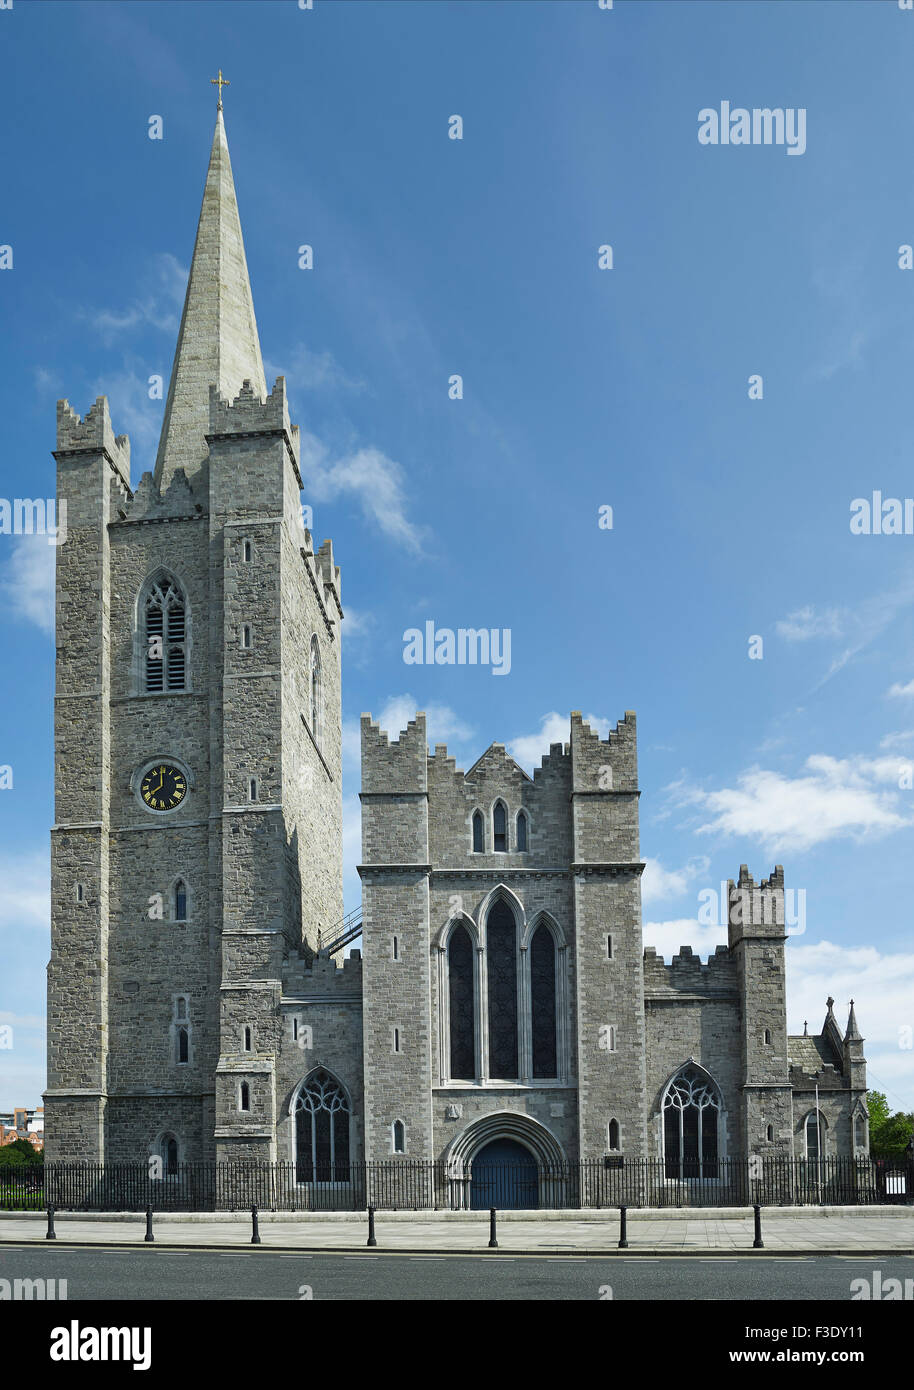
{"x":505,"y":1175}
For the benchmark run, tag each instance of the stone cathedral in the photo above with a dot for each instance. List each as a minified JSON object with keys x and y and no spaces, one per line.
{"x":501,"y":1005}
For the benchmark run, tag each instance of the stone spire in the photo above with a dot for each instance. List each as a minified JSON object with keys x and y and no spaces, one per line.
{"x":217,"y":340}
{"x":853,"y":1033}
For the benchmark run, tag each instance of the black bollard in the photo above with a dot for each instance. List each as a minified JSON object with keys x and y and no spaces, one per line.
{"x":255,"y":1237}
{"x":493,"y":1243}
{"x":52,"y":1234}
{"x":623,"y":1238}
{"x":371,"y":1235}
{"x":758,"y":1243}
{"x":149,"y":1235}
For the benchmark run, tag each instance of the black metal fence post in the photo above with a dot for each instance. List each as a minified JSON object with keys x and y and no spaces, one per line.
{"x":758,"y":1243}
{"x":51,"y":1234}
{"x":493,"y":1243}
{"x":623,"y":1225}
{"x":149,"y":1235}
{"x":371,"y":1234}
{"x":255,"y":1236}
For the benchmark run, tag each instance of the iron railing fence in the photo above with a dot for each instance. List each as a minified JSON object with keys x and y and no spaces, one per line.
{"x":419,"y":1185}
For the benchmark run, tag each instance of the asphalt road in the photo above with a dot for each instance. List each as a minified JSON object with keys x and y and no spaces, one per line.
{"x":111,"y":1274}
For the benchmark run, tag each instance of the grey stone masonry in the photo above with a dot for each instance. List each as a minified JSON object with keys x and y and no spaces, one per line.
{"x":503,"y":1002}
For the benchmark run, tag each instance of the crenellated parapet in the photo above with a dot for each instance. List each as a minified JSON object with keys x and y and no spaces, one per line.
{"x":321,"y":976}
{"x":686,"y":975}
{"x":179,"y":501}
{"x":755,"y":909}
{"x":605,"y":764}
{"x":392,"y":766}
{"x":251,"y":414}
{"x":91,"y":434}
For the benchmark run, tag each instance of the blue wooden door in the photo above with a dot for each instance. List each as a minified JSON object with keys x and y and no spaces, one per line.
{"x":504,"y":1176}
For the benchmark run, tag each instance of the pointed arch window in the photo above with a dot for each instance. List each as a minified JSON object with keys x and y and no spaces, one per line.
{"x":322,"y":1130}
{"x":183,"y":1045}
{"x":691,"y":1118}
{"x":522,"y":832}
{"x":815,"y":1136}
{"x":614,"y":1136}
{"x":169,"y":1152}
{"x":460,"y":1000}
{"x":500,"y":828}
{"x":478,"y":833}
{"x":501,"y":967}
{"x":165,"y":633}
{"x":542,"y":1003}
{"x":316,"y":690}
{"x":180,"y":901}
{"x":399,"y":1137}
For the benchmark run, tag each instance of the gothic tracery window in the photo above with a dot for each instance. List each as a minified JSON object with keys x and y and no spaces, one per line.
{"x":542,"y":1003}
{"x":501,"y":964}
{"x":478,"y":833}
{"x":322,"y":1130}
{"x":460,"y":1000}
{"x":691,"y":1114}
{"x":165,"y":637}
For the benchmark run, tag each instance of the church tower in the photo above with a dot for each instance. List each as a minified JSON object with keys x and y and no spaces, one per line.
{"x":198,"y":823}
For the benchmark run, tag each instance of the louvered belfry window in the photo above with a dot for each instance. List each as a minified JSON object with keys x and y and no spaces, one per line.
{"x":166,"y":638}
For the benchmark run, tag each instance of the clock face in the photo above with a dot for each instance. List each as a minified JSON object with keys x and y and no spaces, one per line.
{"x":163,"y":787}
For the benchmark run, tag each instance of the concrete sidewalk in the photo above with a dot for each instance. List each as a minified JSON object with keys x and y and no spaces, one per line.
{"x":803,"y":1231}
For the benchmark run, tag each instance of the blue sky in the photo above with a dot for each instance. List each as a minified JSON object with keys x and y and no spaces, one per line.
{"x":582,"y":388}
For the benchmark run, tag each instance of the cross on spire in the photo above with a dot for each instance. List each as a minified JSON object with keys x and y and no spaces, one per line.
{"x":220,"y":82}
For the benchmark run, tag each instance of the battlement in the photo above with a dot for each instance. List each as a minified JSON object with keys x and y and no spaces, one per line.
{"x":394,"y":765}
{"x":609,"y":764}
{"x":321,"y":975}
{"x":441,"y":765}
{"x":325,"y":575}
{"x":759,"y":907}
{"x":552,"y":763}
{"x":249,"y":411}
{"x":686,"y":974}
{"x":93,"y":431}
{"x":149,"y":503}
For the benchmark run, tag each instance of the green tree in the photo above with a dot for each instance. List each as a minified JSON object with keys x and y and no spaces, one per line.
{"x":889,"y":1133}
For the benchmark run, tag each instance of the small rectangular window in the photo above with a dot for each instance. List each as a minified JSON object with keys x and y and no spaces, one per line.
{"x":396,"y":1040}
{"x":609,"y":947}
{"x":247,"y":552}
{"x":396,"y":949}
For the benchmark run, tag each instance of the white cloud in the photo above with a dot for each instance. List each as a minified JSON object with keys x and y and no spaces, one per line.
{"x":805,"y":623}
{"x":882,"y":987}
{"x":132,"y":411}
{"x":441,"y":725}
{"x":26,"y":897}
{"x":529,"y":749}
{"x":658,"y":883}
{"x":667,"y":937}
{"x":834,"y":798}
{"x":905,"y":691}
{"x":356,"y":623}
{"x":312,"y":371}
{"x":159,"y":307}
{"x":375,"y":481}
{"x":27,"y":581}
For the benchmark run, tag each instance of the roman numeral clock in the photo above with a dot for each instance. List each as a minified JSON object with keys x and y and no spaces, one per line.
{"x":162,"y":785}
